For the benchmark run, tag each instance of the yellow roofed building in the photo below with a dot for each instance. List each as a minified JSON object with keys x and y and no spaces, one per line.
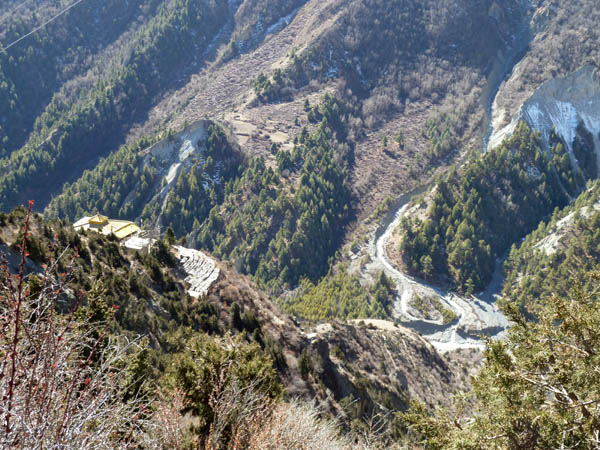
{"x":98,"y":221}
{"x":120,"y":228}
{"x":126,"y":230}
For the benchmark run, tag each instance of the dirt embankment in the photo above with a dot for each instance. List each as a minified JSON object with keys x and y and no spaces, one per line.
{"x":343,"y":364}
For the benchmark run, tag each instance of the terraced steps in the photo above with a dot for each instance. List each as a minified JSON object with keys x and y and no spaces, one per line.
{"x":201,"y":270}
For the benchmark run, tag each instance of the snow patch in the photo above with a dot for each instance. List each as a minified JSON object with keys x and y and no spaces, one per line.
{"x":332,"y":72}
{"x":535,"y":114}
{"x":282,"y":23}
{"x":564,"y":117}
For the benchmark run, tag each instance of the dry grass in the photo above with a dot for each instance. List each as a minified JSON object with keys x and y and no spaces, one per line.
{"x":247,"y":419}
{"x":300,"y":426}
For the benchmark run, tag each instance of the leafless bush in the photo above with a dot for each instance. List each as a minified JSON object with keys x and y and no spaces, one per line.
{"x":235,"y":405}
{"x":382,"y":101}
{"x":246,"y":418}
{"x":301,"y":426}
{"x":167,"y":428}
{"x":59,"y":382}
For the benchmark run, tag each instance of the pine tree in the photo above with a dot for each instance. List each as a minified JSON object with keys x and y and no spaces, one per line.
{"x":538,"y":389}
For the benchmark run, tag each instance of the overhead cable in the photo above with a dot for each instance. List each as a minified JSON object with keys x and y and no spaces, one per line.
{"x":38,"y":28}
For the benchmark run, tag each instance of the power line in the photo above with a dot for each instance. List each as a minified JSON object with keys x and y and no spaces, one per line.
{"x":38,"y":28}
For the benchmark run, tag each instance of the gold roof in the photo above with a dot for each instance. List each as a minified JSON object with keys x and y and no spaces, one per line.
{"x":126,"y":230}
{"x":120,"y":228}
{"x":98,"y":219}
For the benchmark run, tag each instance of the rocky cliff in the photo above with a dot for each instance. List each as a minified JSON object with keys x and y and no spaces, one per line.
{"x":568,"y":107}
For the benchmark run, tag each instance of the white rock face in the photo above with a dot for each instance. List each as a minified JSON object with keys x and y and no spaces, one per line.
{"x":554,"y":241}
{"x":201,"y":270}
{"x":178,"y":153}
{"x":560,"y":105}
{"x":172,"y":155}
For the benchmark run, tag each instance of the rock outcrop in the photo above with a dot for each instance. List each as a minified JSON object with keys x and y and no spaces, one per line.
{"x":561,"y":105}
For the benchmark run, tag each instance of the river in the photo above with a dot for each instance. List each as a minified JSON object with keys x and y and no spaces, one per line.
{"x":477,"y":315}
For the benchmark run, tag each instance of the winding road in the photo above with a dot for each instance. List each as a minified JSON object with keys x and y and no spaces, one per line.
{"x":476,"y":316}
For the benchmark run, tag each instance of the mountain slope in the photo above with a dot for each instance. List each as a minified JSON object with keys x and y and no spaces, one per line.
{"x":247,"y":27}
{"x":310,"y":48}
{"x":73,"y":47}
{"x":320,"y":114}
{"x":560,"y":250}
{"x":563,"y":40}
{"x":474,"y":217}
{"x":238,"y":211}
{"x":92,"y":125}
{"x":568,"y":109}
{"x":353,"y":369}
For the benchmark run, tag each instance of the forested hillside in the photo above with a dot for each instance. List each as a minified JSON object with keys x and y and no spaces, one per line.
{"x":462,"y":253}
{"x":348,"y":168}
{"x":33,"y":71}
{"x":409,"y":40}
{"x":279,"y":224}
{"x":558,"y":252}
{"x":77,"y":132}
{"x":129,"y":183}
{"x":289,"y":223}
{"x":123,"y":67}
{"x":281,"y":216}
{"x":281,"y":219}
{"x":178,"y":341}
{"x":478,"y":213}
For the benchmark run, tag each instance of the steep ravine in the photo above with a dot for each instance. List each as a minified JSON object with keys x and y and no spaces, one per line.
{"x":475,"y":316}
{"x":559,"y":106}
{"x":504,"y":65}
{"x":478,"y":315}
